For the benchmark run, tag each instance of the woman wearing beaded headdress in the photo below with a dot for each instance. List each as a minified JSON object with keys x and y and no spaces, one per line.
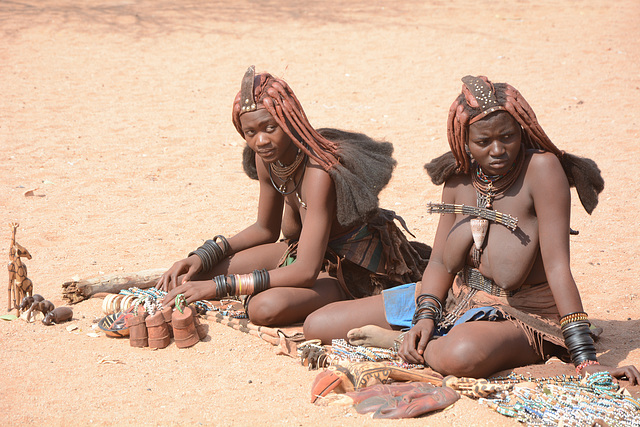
{"x":498,"y":290}
{"x":319,"y":188}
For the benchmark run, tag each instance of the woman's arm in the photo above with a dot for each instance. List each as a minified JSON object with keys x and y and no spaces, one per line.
{"x":552,"y":202}
{"x":320,"y":198}
{"x":549,"y":189}
{"x":266,"y":229}
{"x":436,"y":280}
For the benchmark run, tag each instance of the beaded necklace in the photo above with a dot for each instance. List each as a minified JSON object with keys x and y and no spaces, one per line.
{"x":286,"y":173}
{"x":341,"y":350}
{"x":154,"y":296}
{"x":488,"y":188}
{"x":564,"y":400}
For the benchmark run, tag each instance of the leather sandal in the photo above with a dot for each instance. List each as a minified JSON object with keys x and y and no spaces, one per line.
{"x":138,"y":335}
{"x":166,"y":314}
{"x":182,"y":321}
{"x":200,"y":328}
{"x":158,"y":330}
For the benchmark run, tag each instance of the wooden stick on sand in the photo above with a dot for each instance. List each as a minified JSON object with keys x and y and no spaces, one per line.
{"x":75,"y":291}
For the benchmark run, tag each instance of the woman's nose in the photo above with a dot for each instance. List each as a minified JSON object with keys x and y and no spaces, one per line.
{"x":497,"y":149}
{"x":262,"y":138}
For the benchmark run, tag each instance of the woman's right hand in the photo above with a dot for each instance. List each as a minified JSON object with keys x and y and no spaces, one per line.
{"x":192,"y":291}
{"x":415,"y":341}
{"x":188,"y":266}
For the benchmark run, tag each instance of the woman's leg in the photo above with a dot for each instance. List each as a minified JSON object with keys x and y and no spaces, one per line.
{"x":480,"y":349}
{"x":285,"y":305}
{"x":336,"y":320}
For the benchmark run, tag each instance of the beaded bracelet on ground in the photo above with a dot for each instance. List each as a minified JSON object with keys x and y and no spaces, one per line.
{"x":158,"y":295}
{"x":341,"y":350}
{"x":210,"y":253}
{"x":151,"y":305}
{"x":225,"y":307}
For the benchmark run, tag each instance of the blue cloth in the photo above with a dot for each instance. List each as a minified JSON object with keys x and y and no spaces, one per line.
{"x":399,"y":306}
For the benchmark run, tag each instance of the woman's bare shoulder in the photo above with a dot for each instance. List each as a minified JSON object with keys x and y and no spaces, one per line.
{"x":544,"y":160}
{"x":457,"y":179}
{"x":544,"y":170}
{"x":455,"y":182}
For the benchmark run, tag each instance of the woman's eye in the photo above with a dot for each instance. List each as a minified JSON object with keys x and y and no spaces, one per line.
{"x":248,"y":133}
{"x":271,"y":128}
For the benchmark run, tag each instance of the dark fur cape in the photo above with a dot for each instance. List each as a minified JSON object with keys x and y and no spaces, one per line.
{"x":582,"y":173}
{"x":365,"y":168}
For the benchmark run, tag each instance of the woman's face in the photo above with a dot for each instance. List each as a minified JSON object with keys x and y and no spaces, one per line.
{"x":266,"y":137}
{"x":494,"y":142}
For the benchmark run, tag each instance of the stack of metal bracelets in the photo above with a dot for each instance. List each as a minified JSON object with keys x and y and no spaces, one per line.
{"x":577,"y":338}
{"x":242,"y":284}
{"x":210,"y":253}
{"x":426,"y":309}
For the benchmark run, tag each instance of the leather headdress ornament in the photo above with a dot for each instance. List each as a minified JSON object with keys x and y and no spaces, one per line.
{"x":480,"y":94}
{"x":248,"y":102}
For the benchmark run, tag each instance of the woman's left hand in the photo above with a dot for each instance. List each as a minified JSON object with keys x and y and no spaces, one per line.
{"x":629,"y":371}
{"x":192,"y":291}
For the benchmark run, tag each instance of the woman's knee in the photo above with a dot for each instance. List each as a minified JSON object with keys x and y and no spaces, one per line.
{"x":317,"y":325}
{"x":451,"y":356}
{"x":265,"y":311}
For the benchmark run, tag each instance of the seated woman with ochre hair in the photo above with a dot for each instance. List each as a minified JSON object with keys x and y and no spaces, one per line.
{"x":498,"y":292}
{"x":319,"y":188}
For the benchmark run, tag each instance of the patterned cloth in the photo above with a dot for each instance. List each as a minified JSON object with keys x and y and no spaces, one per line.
{"x":360,"y":246}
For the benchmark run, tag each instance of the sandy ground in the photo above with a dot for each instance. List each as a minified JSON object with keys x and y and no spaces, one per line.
{"x":118,"y":114}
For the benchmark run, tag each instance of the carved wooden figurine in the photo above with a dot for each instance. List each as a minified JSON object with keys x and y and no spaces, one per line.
{"x":28,"y":301}
{"x":19,"y":284}
{"x":45,"y":307}
{"x":58,"y":315}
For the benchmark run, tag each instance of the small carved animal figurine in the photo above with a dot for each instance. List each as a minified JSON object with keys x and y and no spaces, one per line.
{"x":19,"y":284}
{"x":28,"y":301}
{"x":58,"y":315}
{"x":43,"y":307}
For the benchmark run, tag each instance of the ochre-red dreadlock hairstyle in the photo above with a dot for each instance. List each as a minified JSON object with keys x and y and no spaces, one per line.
{"x":278,"y":99}
{"x":359,"y":165}
{"x":466,"y":108}
{"x":582,"y":173}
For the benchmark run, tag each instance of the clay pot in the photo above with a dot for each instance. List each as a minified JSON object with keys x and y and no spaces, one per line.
{"x":138,"y":335}
{"x":184,"y":328}
{"x":158,"y":331}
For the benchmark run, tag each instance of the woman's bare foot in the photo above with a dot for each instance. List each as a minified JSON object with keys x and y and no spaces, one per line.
{"x":372,"y":336}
